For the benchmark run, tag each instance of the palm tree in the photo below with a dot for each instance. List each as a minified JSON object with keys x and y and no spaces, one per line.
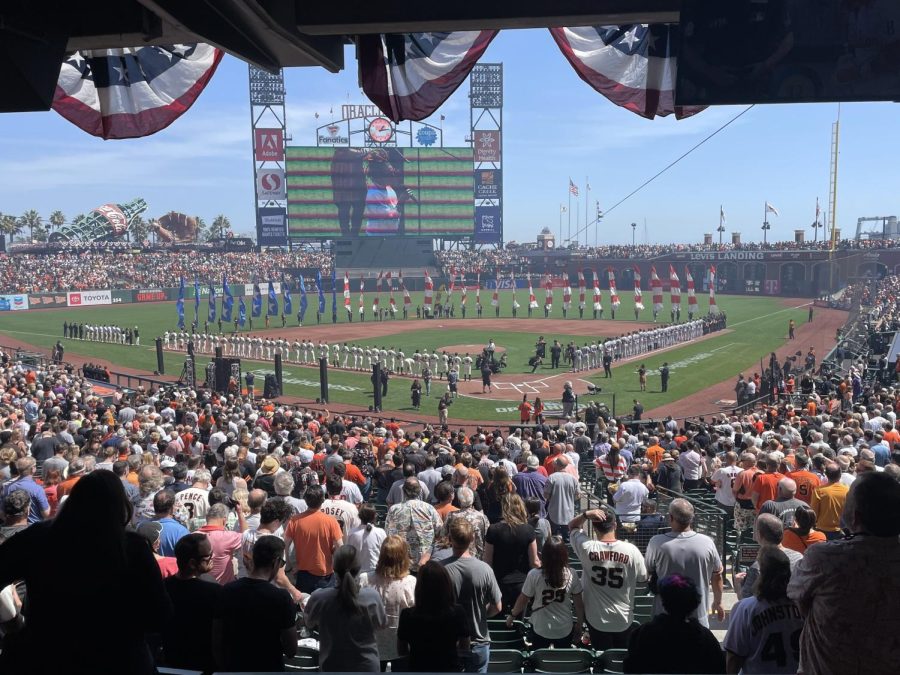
{"x":57,"y":219}
{"x":31,"y":219}
{"x":39,"y":233}
{"x":9,"y":225}
{"x":221,"y":224}
{"x":202,"y":232}
{"x":139,"y":230}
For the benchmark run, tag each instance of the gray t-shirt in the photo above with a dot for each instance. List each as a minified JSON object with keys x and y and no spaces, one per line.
{"x":784,"y":510}
{"x":476,"y":587}
{"x":690,"y":554}
{"x":561,"y":490}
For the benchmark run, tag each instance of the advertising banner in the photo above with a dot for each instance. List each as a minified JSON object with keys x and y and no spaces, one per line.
{"x":772,"y":286}
{"x":38,"y":300}
{"x":271,"y":226}
{"x":88,"y":298}
{"x":268,"y":145}
{"x":150,"y":295}
{"x":488,"y":228}
{"x":270,"y":184}
{"x":487,"y":146}
{"x":13,"y":303}
{"x":123,"y":296}
{"x":487,"y":183}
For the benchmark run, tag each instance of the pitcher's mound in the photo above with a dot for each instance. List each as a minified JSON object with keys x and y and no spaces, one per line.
{"x":474,"y":350}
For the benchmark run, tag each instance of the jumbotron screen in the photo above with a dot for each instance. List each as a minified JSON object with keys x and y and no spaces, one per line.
{"x":379,"y":192}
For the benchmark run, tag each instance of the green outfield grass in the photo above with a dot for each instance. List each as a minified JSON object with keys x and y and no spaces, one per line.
{"x":758,"y":325}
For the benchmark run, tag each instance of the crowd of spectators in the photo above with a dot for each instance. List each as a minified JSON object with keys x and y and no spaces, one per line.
{"x":203,"y":531}
{"x":31,"y":273}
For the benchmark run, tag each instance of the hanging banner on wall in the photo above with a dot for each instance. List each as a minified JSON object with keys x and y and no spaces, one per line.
{"x":488,"y":225}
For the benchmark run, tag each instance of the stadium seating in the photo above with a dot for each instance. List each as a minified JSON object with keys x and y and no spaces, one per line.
{"x":611,"y":661}
{"x":561,"y":660}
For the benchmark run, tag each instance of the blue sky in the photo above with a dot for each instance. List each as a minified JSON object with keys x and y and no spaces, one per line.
{"x":555,"y":127}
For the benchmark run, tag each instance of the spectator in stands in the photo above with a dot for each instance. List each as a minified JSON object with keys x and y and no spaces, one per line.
{"x":613,"y":569}
{"x":765,"y":485}
{"x":828,"y":502}
{"x":478,"y":593}
{"x":768,"y":532}
{"x":225,"y":543}
{"x":316,"y":536}
{"x":785,"y":504}
{"x":630,"y":495}
{"x":554,"y":592}
{"x":115,"y":570}
{"x":474,"y":517}
{"x":561,"y":493}
{"x":763,"y":625}
{"x":396,"y":587}
{"x":347,"y":618}
{"x":436,"y":629}
{"x":841,"y":587}
{"x":367,"y":539}
{"x":416,"y":521}
{"x":658,"y":646}
{"x":803,"y":534}
{"x":255,"y":623}
{"x":686,"y":552}
{"x":172,"y":530}
{"x":194,"y":604}
{"x":40,"y":507}
{"x":510,"y":548}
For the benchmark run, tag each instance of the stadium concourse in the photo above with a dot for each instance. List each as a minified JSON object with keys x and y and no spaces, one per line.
{"x":239,"y":534}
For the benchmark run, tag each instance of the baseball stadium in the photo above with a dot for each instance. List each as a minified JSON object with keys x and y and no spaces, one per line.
{"x":405,"y":410}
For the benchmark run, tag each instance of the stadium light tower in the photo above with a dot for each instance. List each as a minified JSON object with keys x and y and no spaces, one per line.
{"x":765,"y":228}
{"x":633,"y":230}
{"x":721,"y":230}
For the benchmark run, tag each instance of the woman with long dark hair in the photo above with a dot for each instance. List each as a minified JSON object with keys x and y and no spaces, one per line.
{"x":804,"y":533}
{"x":510,"y":548}
{"x":435,"y":629}
{"x":499,"y":486}
{"x":85,"y":573}
{"x":764,"y":629}
{"x":554,"y":592}
{"x":346,"y":618}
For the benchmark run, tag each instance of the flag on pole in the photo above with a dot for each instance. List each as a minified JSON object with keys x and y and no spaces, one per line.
{"x":674,"y":288}
{"x":598,"y":295}
{"x":407,"y":301}
{"x":347,"y":292}
{"x":362,"y":295}
{"x":515,"y":302}
{"x":227,"y":300}
{"x":478,"y":288}
{"x":320,"y":291}
{"x":771,"y":209}
{"x":581,"y":290}
{"x":452,"y":286}
{"x":288,"y":300}
{"x":548,"y":293}
{"x":463,"y":291}
{"x":211,"y":307}
{"x":613,"y":294}
{"x":495,"y":300}
{"x":377,"y":301}
{"x":532,"y":300}
{"x":256,"y":303}
{"x":713,"y":308}
{"x":334,"y":293}
{"x":196,"y":301}
{"x":656,"y":287}
{"x":429,"y":293}
{"x":567,"y":296}
{"x":390,"y":285}
{"x":304,"y":303}
{"x":179,"y":304}
{"x":721,"y":215}
{"x":242,"y":312}
{"x":573,"y":189}
{"x":272,"y":309}
{"x":692,"y":297}
{"x":817,"y":210}
{"x":638,"y":298}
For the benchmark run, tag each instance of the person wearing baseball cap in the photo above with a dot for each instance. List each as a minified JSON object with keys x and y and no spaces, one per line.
{"x":151,"y":530}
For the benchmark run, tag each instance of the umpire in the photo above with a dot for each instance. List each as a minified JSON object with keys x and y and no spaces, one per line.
{"x":664,"y":376}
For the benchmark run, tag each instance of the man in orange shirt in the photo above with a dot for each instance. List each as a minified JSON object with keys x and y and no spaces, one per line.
{"x":805,"y":479}
{"x":655,"y":452}
{"x":76,"y":471}
{"x":550,"y":462}
{"x":315,"y":536}
{"x":744,"y":511}
{"x":765,"y":485}
{"x":828,"y":502}
{"x":891,"y":435}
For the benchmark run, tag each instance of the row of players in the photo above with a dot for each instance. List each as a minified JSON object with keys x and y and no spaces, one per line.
{"x":362,"y":357}
{"x":102,"y":333}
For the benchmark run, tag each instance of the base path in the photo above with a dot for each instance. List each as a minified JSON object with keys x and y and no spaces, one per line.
{"x":819,"y":334}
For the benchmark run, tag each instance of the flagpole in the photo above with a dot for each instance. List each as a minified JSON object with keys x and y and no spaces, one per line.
{"x":577,"y":218}
{"x":569,"y":211}
{"x":560,"y":223}
{"x":587,"y":191}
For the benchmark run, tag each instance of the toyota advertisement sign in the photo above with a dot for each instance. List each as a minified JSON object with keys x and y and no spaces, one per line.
{"x":88,"y":298}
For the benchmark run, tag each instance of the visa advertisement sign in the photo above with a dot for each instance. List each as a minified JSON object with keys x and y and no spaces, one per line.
{"x":13,"y":303}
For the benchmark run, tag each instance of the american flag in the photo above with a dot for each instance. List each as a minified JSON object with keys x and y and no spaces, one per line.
{"x":409,"y":75}
{"x":634,"y":65}
{"x":573,"y":188}
{"x":133,"y":92}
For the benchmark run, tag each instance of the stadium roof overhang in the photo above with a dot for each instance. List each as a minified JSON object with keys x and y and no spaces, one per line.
{"x":36,"y":34}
